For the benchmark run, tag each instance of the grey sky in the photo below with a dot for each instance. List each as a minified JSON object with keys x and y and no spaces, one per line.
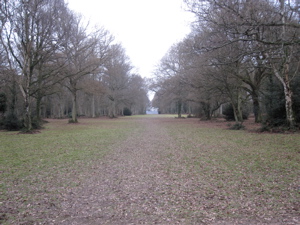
{"x":145,"y":28}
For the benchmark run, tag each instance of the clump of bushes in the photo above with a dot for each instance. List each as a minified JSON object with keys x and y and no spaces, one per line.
{"x":127,"y":112}
{"x":237,"y":126}
{"x":3,"y":103}
{"x":12,"y":123}
{"x":229,"y":113}
{"x":274,"y":101}
{"x":279,"y":127}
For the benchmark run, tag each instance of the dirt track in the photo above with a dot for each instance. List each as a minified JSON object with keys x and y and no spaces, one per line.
{"x":131,"y":186}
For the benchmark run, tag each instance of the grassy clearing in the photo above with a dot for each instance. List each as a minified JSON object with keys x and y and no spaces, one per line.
{"x":218,"y":173}
{"x":55,"y":158}
{"x":240,"y":174}
{"x":59,"y":144}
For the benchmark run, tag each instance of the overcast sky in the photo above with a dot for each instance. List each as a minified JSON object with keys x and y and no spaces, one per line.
{"x":145,"y":28}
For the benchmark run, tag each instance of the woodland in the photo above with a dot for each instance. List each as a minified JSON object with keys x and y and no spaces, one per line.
{"x":54,"y":65}
{"x":241,"y":57}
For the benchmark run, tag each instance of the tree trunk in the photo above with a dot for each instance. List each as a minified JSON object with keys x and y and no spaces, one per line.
{"x":74,"y":107}
{"x":287,"y":94}
{"x":38,"y":109}
{"x":112,"y":109}
{"x":93,"y":106}
{"x":59,"y":113}
{"x":207,"y":110}
{"x":284,"y":79}
{"x":235,"y":113}
{"x":13,"y":90}
{"x":179,"y":105}
{"x":239,"y":108}
{"x":27,"y":115}
{"x":289,"y":105}
{"x":256,"y":107}
{"x":27,"y":108}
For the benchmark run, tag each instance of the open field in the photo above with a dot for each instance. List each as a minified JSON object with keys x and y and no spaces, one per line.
{"x":146,"y":170}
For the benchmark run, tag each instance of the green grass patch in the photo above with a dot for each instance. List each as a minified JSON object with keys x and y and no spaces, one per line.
{"x":54,"y":158}
{"x":59,"y":144}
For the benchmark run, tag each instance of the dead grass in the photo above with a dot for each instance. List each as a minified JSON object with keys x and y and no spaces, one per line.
{"x":147,"y":170}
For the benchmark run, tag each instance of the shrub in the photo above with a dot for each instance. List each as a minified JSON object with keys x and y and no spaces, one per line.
{"x":1,"y":123}
{"x":237,"y":126}
{"x":229,"y":114}
{"x":274,"y":102}
{"x":11,"y":122}
{"x":3,"y":103}
{"x":277,"y":126}
{"x":36,"y":124}
{"x":127,"y":112}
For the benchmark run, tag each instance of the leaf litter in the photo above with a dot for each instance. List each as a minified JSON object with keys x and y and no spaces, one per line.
{"x":162,"y":173}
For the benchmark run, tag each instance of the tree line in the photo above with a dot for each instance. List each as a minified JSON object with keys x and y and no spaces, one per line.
{"x":240,"y":54}
{"x":53,"y":64}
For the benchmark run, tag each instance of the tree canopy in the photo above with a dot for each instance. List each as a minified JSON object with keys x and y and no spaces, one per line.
{"x":53,"y":64}
{"x":240,"y":52}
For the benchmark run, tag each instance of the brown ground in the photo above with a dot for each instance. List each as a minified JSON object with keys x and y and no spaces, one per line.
{"x":132,"y":186}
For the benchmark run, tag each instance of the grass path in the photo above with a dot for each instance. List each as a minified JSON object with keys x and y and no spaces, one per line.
{"x":155,"y":170}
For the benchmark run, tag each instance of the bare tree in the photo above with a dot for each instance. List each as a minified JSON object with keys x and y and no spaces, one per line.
{"x":282,"y":58}
{"x":270,"y":29}
{"x":31,"y":37}
{"x":136,"y":95}
{"x":81,"y":58}
{"x":116,"y":78}
{"x":170,"y":79}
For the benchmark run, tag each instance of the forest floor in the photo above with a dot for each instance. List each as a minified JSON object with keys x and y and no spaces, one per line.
{"x":149,"y":170}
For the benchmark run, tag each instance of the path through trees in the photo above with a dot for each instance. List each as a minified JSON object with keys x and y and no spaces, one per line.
{"x":155,"y":169}
{"x":151,"y":178}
